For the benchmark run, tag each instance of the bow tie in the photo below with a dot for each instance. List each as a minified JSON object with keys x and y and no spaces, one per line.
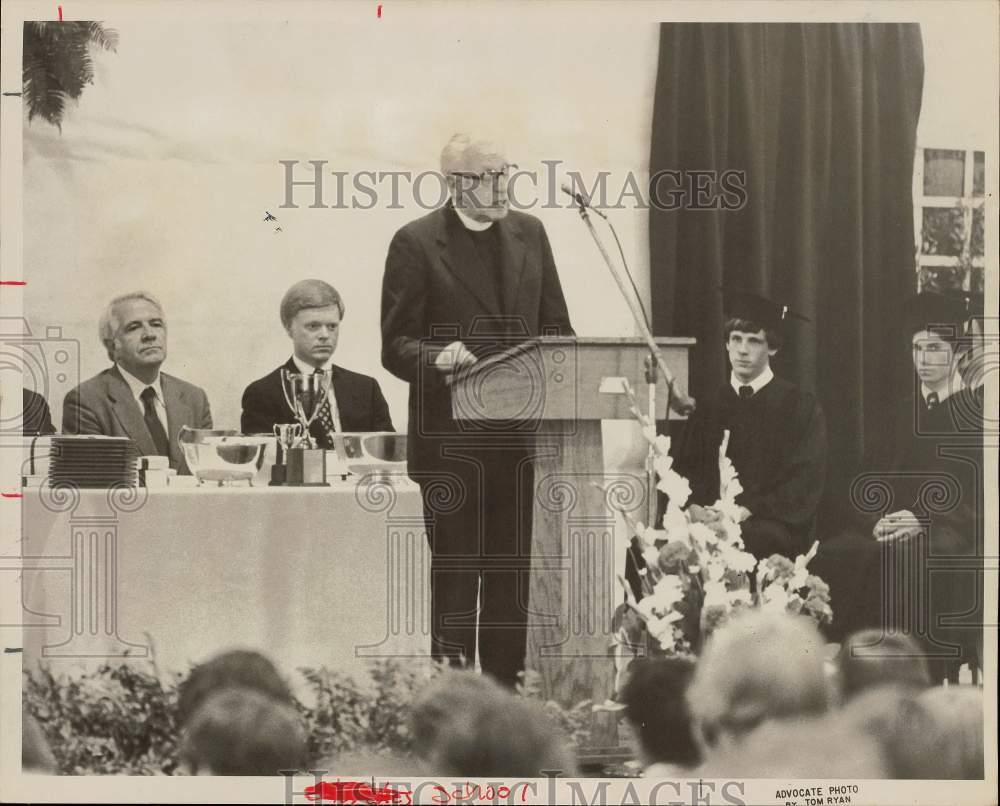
{"x":746,"y":392}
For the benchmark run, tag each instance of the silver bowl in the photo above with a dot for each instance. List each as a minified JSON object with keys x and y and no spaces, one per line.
{"x":221,"y":456}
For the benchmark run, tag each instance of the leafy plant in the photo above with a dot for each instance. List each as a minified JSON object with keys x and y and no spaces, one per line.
{"x":57,"y":64}
{"x":122,"y":720}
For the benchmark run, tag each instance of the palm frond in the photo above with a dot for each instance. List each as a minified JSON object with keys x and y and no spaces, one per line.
{"x":58,"y":64}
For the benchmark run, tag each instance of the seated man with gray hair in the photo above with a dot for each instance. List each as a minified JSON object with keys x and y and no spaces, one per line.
{"x":132,"y":398}
{"x":311,"y":312}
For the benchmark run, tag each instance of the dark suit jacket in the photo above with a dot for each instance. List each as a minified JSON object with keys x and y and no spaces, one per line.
{"x":105,"y":405}
{"x":437,"y":290}
{"x":35,"y":418}
{"x":359,"y":400}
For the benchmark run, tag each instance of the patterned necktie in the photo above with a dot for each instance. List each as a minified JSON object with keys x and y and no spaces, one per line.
{"x":932,"y":401}
{"x":746,"y":392}
{"x":325,"y":417}
{"x":153,"y":424}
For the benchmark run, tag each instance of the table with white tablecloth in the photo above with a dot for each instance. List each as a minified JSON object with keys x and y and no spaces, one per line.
{"x":311,"y":576}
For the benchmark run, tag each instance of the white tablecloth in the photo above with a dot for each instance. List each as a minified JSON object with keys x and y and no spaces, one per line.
{"x":309,"y":576}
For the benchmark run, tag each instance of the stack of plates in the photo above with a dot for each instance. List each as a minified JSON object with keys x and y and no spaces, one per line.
{"x":94,"y":461}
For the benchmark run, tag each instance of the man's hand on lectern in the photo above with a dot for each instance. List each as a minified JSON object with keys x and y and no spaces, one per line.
{"x":453,"y":358}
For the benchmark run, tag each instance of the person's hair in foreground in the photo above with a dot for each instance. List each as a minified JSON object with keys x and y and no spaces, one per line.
{"x":756,"y":667}
{"x":240,"y":731}
{"x":242,"y":668}
{"x":36,"y":755}
{"x":872,"y":658}
{"x":940,"y":735}
{"x":467,"y":724}
{"x":656,"y":707}
{"x":826,"y":747}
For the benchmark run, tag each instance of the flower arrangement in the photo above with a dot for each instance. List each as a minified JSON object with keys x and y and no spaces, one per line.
{"x":697,"y":572}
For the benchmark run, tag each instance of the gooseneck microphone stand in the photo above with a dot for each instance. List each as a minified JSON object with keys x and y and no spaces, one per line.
{"x":676,"y":400}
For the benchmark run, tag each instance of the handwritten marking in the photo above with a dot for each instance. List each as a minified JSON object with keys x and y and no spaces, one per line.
{"x":12,"y":650}
{"x":60,"y":14}
{"x":12,"y":495}
{"x":13,"y":282}
{"x":356,"y":792}
{"x":378,"y":11}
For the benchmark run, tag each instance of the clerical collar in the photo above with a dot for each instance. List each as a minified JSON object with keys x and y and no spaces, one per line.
{"x":137,"y":386}
{"x":756,"y":384}
{"x":947,"y":389}
{"x":471,"y":223}
{"x":309,"y":369}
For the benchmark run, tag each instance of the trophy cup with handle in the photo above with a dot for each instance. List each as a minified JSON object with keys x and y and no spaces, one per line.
{"x":305,"y":395}
{"x":288,"y":436}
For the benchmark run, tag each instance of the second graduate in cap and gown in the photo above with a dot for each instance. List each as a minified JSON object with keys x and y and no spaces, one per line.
{"x":777,"y":434}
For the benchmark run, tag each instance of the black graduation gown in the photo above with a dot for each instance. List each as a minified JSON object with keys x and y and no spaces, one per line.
{"x":777,"y":444}
{"x":930,"y":586}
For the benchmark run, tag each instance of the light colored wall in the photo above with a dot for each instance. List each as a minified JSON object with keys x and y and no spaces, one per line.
{"x":162,"y":174}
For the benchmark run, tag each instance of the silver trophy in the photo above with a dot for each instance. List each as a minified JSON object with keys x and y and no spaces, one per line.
{"x":305,"y":395}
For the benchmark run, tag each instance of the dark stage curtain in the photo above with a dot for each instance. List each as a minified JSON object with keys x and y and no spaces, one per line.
{"x":822,"y":118}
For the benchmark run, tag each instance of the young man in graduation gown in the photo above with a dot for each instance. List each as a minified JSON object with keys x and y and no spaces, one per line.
{"x":777,"y":434}
{"x":929,"y":541}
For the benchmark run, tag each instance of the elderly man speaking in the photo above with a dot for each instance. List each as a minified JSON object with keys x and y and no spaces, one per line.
{"x":459,"y":283}
{"x":132,"y":398}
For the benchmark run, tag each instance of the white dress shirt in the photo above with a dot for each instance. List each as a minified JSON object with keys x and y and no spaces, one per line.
{"x":309,"y":369}
{"x":952,"y":385}
{"x":756,"y":384}
{"x":138,"y":387}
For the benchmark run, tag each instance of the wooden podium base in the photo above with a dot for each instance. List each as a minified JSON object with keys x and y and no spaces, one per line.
{"x":573,"y":591}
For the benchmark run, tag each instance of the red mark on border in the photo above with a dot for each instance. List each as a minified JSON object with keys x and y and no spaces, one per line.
{"x":378,"y":11}
{"x":12,"y":495}
{"x":356,"y":792}
{"x":12,"y":282}
{"x":60,"y":14}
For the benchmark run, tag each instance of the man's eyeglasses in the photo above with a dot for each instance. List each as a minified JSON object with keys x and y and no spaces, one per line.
{"x":486,"y":176}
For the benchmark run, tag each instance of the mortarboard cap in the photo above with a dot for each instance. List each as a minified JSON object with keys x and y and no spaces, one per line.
{"x":972,"y":302}
{"x":931,"y":309}
{"x":767,"y":313}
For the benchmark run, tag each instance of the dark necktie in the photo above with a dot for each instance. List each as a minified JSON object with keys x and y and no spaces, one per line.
{"x":153,"y":424}
{"x":325,"y":416}
{"x":932,"y":401}
{"x":746,"y":392}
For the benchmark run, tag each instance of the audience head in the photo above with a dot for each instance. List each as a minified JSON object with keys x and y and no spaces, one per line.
{"x":241,"y":668}
{"x":939,"y":735}
{"x":36,"y":755}
{"x":756,"y":667}
{"x":311,"y":311}
{"x":133,"y":330}
{"x":240,"y":731}
{"x":656,"y":706}
{"x":872,"y":658}
{"x":468,"y":725}
{"x":807,"y":748}
{"x":476,"y":171}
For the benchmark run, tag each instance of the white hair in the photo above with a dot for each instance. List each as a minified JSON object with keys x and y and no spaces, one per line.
{"x":756,"y":667}
{"x":110,"y":321}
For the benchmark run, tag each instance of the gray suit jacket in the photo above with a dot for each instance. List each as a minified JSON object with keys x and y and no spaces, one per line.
{"x":105,"y":405}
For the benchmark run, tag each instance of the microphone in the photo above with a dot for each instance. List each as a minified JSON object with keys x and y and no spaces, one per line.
{"x":680,"y":402}
{"x":580,"y":199}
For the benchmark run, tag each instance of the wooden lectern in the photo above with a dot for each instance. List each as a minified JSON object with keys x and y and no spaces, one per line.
{"x":561,"y":389}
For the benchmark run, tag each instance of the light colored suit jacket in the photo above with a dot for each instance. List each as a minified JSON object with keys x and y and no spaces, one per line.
{"x":105,"y":405}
